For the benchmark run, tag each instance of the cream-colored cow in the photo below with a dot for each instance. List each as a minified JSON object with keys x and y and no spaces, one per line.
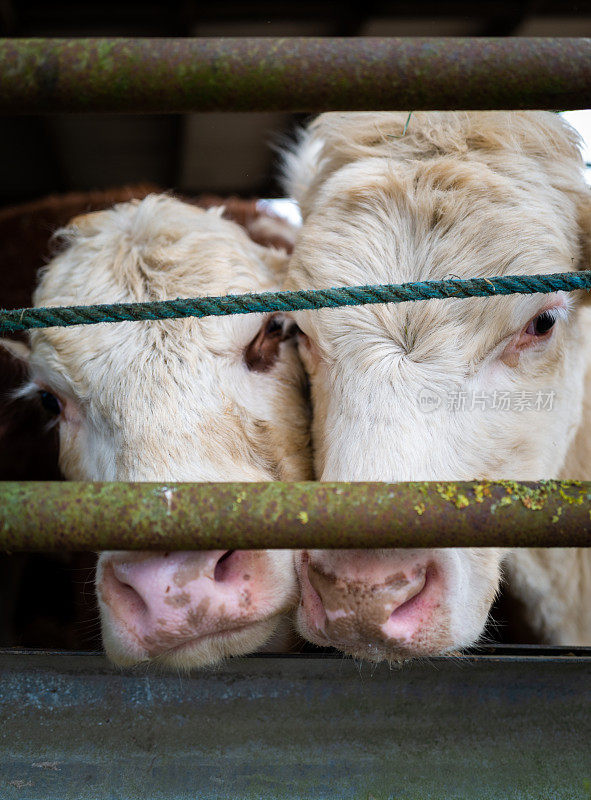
{"x":413,"y":391}
{"x":178,"y":400}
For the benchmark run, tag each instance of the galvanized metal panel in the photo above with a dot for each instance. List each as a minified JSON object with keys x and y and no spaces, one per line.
{"x":305,"y":727}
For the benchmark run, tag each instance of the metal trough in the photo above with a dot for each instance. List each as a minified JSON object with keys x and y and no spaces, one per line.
{"x":486,"y":726}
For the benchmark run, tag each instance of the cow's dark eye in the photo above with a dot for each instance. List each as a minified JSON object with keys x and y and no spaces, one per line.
{"x":541,"y":324}
{"x":50,"y":403}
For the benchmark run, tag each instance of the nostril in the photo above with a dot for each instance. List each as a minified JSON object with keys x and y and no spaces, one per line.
{"x":124,"y":591}
{"x":312,"y":596}
{"x":412,"y":594}
{"x":134,"y":598}
{"x":222,"y":568}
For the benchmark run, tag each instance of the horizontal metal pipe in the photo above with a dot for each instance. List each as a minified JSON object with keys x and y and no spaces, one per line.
{"x":292,"y":74}
{"x":202,"y":516}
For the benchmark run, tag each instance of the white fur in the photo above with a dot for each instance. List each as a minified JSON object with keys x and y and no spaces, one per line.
{"x":467,"y":195}
{"x":170,"y":400}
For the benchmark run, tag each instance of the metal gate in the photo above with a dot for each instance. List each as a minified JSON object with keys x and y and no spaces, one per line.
{"x":511,"y":723}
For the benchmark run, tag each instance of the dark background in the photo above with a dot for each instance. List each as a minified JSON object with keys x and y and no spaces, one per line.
{"x":220,"y":153}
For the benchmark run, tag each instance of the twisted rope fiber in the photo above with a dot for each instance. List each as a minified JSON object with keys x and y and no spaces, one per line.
{"x":303,"y":300}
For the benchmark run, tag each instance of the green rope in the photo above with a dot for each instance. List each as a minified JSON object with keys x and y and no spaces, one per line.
{"x":23,"y":319}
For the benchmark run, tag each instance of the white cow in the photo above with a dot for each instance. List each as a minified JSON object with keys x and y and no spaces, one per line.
{"x":413,"y":391}
{"x":179,"y":400}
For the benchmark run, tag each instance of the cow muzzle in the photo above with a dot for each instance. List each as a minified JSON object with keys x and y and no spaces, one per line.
{"x":187,"y":609}
{"x":374,"y":607}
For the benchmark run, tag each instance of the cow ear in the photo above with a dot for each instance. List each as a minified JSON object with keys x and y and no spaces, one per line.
{"x":18,"y":350}
{"x":303,"y":167}
{"x":272,"y":231}
{"x":262,"y":353}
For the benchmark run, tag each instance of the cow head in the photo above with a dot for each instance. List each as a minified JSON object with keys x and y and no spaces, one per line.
{"x":439,"y":390}
{"x":178,"y":400}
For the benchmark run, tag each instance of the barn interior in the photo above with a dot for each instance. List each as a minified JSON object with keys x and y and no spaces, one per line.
{"x":85,"y":161}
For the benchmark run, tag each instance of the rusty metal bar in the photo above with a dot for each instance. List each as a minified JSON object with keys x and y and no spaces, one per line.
{"x":201,"y":516}
{"x":292,"y":74}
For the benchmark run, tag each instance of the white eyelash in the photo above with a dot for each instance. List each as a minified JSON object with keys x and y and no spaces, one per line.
{"x":561,"y":311}
{"x":564,"y":310}
{"x":26,"y":392}
{"x":29,"y":391}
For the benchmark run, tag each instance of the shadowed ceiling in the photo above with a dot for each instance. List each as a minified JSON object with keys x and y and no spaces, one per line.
{"x":220,"y":153}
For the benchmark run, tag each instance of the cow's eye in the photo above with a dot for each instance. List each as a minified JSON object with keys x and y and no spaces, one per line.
{"x":50,"y":403}
{"x":540,"y":325}
{"x":535,"y":336}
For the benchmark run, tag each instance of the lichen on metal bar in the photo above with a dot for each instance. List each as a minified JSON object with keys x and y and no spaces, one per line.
{"x":292,"y":74}
{"x":201,"y":516}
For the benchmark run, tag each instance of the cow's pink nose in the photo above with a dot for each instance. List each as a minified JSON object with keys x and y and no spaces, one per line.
{"x":167,"y":600}
{"x":142,"y":581}
{"x":355,"y":611}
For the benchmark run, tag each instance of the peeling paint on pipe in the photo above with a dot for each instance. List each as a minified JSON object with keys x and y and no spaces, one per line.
{"x":293,"y":74}
{"x":201,"y":516}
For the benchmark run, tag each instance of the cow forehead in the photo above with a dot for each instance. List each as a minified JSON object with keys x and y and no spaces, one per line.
{"x":378,"y":221}
{"x":117,"y":271}
{"x":158,"y":249}
{"x":385,"y":223}
{"x":456,"y":334}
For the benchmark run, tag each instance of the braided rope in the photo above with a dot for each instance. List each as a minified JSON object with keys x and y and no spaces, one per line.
{"x":26,"y":318}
